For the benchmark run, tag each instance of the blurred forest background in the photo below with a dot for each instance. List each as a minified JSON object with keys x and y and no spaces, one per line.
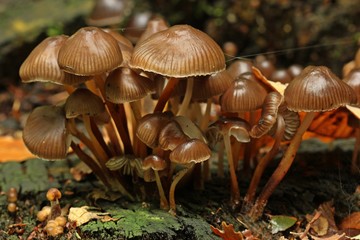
{"x":320,"y":32}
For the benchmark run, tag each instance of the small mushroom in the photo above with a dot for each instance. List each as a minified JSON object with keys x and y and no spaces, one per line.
{"x":157,"y":164}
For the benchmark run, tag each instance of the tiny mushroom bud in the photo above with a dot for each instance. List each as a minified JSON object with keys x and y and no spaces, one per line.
{"x":53,"y":194}
{"x":12,"y":195}
{"x":12,"y":207}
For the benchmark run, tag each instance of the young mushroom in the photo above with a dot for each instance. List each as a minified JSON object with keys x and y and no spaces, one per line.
{"x":186,"y":154}
{"x":157,"y":164}
{"x":316,"y":89}
{"x":224,"y":129}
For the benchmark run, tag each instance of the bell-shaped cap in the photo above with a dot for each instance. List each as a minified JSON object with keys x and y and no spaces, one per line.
{"x":192,"y":151}
{"x":281,"y":75}
{"x":243,"y":95}
{"x":83,"y":102}
{"x":42,"y":66}
{"x":155,"y":25}
{"x":90,"y":51}
{"x":109,"y":12}
{"x":125,"y":45}
{"x":171,"y":136}
{"x":150,"y":125}
{"x":125,"y":85}
{"x":239,"y":67}
{"x":317,"y":89}
{"x":180,"y":51}
{"x":154,"y":162}
{"x":353,"y":80}
{"x":45,"y":133}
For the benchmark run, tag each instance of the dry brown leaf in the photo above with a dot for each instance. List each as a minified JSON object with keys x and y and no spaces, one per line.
{"x":351,"y":222}
{"x":228,"y":232}
{"x":333,"y":237}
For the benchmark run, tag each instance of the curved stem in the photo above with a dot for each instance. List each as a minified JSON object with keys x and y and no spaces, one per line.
{"x":175,"y":181}
{"x":280,"y":172}
{"x":220,"y":166}
{"x":235,"y":192}
{"x":163,"y":201}
{"x":166,"y":93}
{"x":355,"y":156}
{"x":250,"y":195}
{"x":187,"y":98}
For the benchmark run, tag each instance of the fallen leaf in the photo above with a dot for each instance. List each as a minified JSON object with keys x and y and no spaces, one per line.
{"x":274,"y":86}
{"x":281,"y":223}
{"x":228,"y":232}
{"x":13,"y":149}
{"x":351,"y":222}
{"x":82,"y":215}
{"x":354,"y":110}
{"x":333,"y":237}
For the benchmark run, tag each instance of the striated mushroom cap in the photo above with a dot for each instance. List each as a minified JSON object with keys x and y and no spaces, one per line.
{"x":317,"y":89}
{"x":180,"y":51}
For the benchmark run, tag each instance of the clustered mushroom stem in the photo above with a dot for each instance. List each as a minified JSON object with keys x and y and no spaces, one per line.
{"x":282,"y":169}
{"x":250,"y":195}
{"x":165,"y":95}
{"x":220,"y":165}
{"x":117,"y":113}
{"x":100,"y":137}
{"x":249,"y":146}
{"x":203,"y":125}
{"x":94,"y":140}
{"x":163,"y":201}
{"x":235,"y":192}
{"x":179,"y":175}
{"x":188,"y":94}
{"x":355,"y":156}
{"x":90,"y":162}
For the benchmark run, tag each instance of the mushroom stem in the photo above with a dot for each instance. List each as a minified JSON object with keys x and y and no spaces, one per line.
{"x":91,"y":163}
{"x":94,"y":140}
{"x":220,"y":165}
{"x":163,"y":201}
{"x":203,"y":125}
{"x":175,"y":181}
{"x":279,"y":173}
{"x":235,"y":192}
{"x":117,"y":113}
{"x":188,"y":94}
{"x":166,"y":93}
{"x":250,"y":195}
{"x":355,"y":156}
{"x":100,"y":138}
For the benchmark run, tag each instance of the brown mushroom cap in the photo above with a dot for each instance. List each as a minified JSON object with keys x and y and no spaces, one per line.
{"x":109,"y":12}
{"x":41,"y":65}
{"x":239,"y":67}
{"x":171,"y":136}
{"x":192,"y":151}
{"x":236,"y":127}
{"x":243,"y":95}
{"x":155,"y":25}
{"x":90,"y":51}
{"x":180,"y":51}
{"x":125,"y":45}
{"x":149,"y":127}
{"x":353,"y":80}
{"x":154,"y":162}
{"x":125,"y":85}
{"x":317,"y":89}
{"x":281,"y":75}
{"x":45,"y":133}
{"x":83,"y":102}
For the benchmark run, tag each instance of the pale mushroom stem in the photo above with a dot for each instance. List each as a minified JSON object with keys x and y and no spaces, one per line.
{"x":175,"y":181}
{"x":203,"y":125}
{"x":99,"y":136}
{"x":97,"y":146}
{"x":166,"y":93}
{"x":280,"y":172}
{"x":264,"y":161}
{"x":235,"y":192}
{"x":355,"y":156}
{"x":163,"y":201}
{"x":220,"y":165}
{"x":187,"y":98}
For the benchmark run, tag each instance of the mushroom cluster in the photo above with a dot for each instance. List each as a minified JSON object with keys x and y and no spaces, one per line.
{"x":152,"y":112}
